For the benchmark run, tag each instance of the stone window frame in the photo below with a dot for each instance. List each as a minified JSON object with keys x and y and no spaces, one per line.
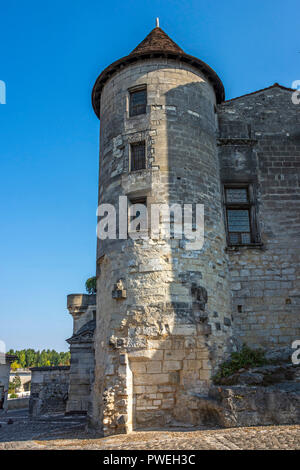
{"x":251,"y":206}
{"x":131,"y":91}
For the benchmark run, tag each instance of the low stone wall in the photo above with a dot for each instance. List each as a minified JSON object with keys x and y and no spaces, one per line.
{"x":18,"y":403}
{"x":4,"y":382}
{"x":49,"y":390}
{"x":239,"y":405}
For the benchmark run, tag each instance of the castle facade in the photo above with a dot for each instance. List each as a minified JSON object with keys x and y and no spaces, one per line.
{"x":167,"y":314}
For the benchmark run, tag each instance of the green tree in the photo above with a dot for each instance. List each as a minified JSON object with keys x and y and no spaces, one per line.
{"x":31,"y":358}
{"x":91,"y":285}
{"x":43,"y":358}
{"x":15,"y":365}
{"x":22,"y":358}
{"x":54,"y":358}
{"x":15,"y":384}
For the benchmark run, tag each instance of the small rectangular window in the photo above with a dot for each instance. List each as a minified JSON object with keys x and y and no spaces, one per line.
{"x":132,"y":217}
{"x":240,"y":215}
{"x":138,"y":156}
{"x":137,"y":102}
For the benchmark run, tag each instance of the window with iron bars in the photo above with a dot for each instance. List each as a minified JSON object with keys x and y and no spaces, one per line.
{"x":138,"y":156}
{"x":137,"y":102}
{"x":240,"y":214}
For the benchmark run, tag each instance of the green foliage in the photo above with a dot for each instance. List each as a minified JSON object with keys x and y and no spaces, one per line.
{"x":14,"y":385}
{"x":243,"y":359}
{"x":13,"y":395}
{"x":15,"y":365}
{"x":91,"y":285}
{"x":31,"y":358}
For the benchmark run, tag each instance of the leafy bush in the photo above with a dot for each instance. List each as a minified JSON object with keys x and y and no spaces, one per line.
{"x":91,"y":285}
{"x":15,"y":365}
{"x":15,"y":384}
{"x":13,"y":395}
{"x":244,"y":359}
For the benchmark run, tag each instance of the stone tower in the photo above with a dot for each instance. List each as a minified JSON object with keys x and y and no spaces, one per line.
{"x":163,"y":311}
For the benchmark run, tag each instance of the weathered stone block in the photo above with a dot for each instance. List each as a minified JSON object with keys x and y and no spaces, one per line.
{"x":153,"y":367}
{"x":171,"y":365}
{"x":148,"y":379}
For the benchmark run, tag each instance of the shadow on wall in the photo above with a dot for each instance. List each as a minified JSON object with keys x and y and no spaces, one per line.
{"x":194,"y":314}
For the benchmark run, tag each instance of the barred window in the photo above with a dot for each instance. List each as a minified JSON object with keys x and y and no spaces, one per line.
{"x":137,"y":102}
{"x":138,"y":156}
{"x":240,"y":215}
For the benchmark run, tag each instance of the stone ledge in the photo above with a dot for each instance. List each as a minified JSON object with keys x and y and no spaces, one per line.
{"x":49,"y":368}
{"x":80,"y":300}
{"x":235,"y":141}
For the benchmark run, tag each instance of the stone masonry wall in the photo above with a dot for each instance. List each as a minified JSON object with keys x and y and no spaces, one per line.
{"x":163,"y":311}
{"x":264,"y":149}
{"x":82,"y":307}
{"x":4,"y":383}
{"x":49,"y":390}
{"x":81,"y":377}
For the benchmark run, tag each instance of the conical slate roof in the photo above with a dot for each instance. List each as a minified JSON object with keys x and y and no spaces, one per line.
{"x":157,"y":40}
{"x":156,"y":44}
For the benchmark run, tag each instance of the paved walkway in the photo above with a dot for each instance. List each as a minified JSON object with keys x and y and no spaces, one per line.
{"x":60,"y":432}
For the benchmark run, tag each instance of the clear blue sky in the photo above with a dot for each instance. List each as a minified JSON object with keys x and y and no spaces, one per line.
{"x":51,"y":54}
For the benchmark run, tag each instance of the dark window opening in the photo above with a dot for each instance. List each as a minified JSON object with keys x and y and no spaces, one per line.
{"x":240,"y":215}
{"x":138,"y":156}
{"x":239,"y":226}
{"x":131,"y":218}
{"x":137,"y":102}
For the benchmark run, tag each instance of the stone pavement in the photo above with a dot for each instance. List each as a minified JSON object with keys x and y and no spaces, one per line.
{"x":60,"y":432}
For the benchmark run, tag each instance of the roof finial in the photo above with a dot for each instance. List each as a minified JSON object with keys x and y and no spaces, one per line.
{"x":157,"y":22}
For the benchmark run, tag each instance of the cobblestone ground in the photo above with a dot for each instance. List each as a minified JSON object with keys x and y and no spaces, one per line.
{"x":59,"y":432}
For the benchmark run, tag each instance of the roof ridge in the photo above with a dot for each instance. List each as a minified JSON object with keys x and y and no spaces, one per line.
{"x":258,"y":91}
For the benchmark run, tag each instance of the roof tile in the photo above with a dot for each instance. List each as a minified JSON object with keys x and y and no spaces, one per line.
{"x":157,"y":40}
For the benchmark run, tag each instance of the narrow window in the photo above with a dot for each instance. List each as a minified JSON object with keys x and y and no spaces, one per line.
{"x":138,"y":156}
{"x":240,"y":215}
{"x":137,"y":102}
{"x":131,"y":217}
